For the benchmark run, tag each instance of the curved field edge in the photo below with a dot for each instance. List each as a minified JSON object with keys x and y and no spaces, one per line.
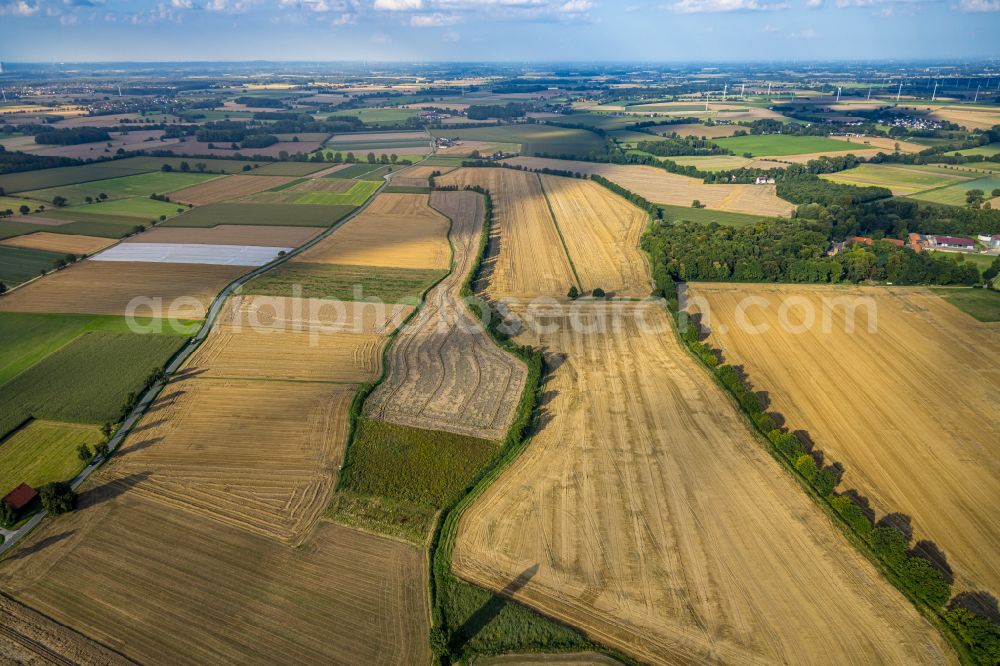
{"x":158,"y":381}
{"x":463,"y":612}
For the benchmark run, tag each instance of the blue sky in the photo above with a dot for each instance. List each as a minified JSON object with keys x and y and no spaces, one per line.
{"x":422,"y":30}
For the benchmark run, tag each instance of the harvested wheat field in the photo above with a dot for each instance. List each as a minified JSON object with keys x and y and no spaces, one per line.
{"x":532,"y":261}
{"x":660,"y":186}
{"x":165,"y":586}
{"x":884,"y":143}
{"x":183,"y":291}
{"x":224,"y":189}
{"x":28,"y":637}
{"x":910,"y":410}
{"x":267,"y":337}
{"x":414,"y":176}
{"x":803,"y":158}
{"x":659,"y":526}
{"x":399,"y":230}
{"x":260,"y":455}
{"x":445,"y":372}
{"x":229,"y":234}
{"x":695,"y":129}
{"x":600,"y":229}
{"x":65,"y":243}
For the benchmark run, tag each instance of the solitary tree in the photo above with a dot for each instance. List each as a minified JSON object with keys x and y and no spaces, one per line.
{"x":598,"y":293}
{"x":200,"y":166}
{"x":185,"y":166}
{"x":166,"y":168}
{"x":84,"y":453}
{"x":574,"y":293}
{"x":57,"y":497}
{"x":24,"y":209}
{"x":59,"y":201}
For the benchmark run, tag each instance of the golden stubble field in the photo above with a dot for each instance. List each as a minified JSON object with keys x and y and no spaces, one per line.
{"x":399,"y":230}
{"x":65,"y":243}
{"x":165,"y":586}
{"x":444,"y":371}
{"x":598,"y":226}
{"x":97,"y":287}
{"x":909,"y":410}
{"x":660,"y":527}
{"x":659,"y":186}
{"x":532,"y":261}
{"x":230,"y":234}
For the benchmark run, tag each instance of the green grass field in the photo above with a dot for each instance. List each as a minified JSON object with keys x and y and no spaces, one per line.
{"x":630,"y":137}
{"x":983,"y":304}
{"x":901,"y":179}
{"x":988,"y":149}
{"x":136,"y":210}
{"x":44,"y":178}
{"x":86,"y":381}
{"x":376,"y":117}
{"x":42,"y":452}
{"x":295,"y":215}
{"x":408,"y":467}
{"x":139,"y":185}
{"x":26,"y":337}
{"x":108,"y":227}
{"x":18,"y":264}
{"x":783,"y":144}
{"x":15,"y":203}
{"x":533,"y":138}
{"x":954,"y":195}
{"x":706,"y":216}
{"x":337,"y":281}
{"x":444,"y":161}
{"x":357,"y":195}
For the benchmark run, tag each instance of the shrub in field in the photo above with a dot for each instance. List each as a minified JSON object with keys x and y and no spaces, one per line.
{"x":980,"y":634}
{"x":57,"y":497}
{"x":806,"y":466}
{"x":852,"y":515}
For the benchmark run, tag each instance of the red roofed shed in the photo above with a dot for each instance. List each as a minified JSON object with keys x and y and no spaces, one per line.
{"x":20,"y":497}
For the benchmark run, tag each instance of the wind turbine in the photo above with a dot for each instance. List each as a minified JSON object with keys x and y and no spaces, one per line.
{"x":119,"y":91}
{"x":869,"y":93}
{"x":4,"y":95}
{"x":977,"y":94}
{"x":934,"y":95}
{"x":768,"y":88}
{"x":838,"y":93}
{"x":725,"y":87}
{"x":899,"y":92}
{"x":742,"y":88}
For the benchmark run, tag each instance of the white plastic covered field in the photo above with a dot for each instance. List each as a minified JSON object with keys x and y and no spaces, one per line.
{"x":192,"y":253}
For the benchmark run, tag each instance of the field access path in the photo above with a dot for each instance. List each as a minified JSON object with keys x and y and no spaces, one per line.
{"x":444,"y":372}
{"x":656,"y":523}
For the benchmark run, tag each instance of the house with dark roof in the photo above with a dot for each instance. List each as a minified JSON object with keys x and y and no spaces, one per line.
{"x":20,"y":497}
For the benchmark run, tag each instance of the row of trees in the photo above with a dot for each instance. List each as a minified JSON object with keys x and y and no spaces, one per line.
{"x":676,"y":146}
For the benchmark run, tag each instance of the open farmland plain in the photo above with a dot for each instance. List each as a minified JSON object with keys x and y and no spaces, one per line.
{"x":659,"y":186}
{"x":176,"y":587}
{"x":532,"y":259}
{"x":96,"y":287}
{"x":229,"y":234}
{"x":444,"y":372}
{"x":899,"y":178}
{"x":655,"y":523}
{"x":598,"y":227}
{"x":909,"y":410}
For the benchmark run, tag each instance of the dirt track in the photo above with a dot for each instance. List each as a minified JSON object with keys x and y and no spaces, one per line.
{"x":444,"y":371}
{"x":910,"y":411}
{"x":660,"y":527}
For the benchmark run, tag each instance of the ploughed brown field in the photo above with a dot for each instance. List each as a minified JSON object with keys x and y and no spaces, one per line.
{"x":166,"y":586}
{"x":444,"y":371}
{"x":659,"y":526}
{"x":65,"y":243}
{"x":229,"y":234}
{"x":532,"y":260}
{"x":399,"y":230}
{"x":183,"y":291}
{"x":659,"y":186}
{"x":910,"y":410}
{"x":415,"y":176}
{"x":230,"y":187}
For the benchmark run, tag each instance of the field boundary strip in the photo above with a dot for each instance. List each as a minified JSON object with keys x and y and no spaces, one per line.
{"x":562,"y":239}
{"x":149,"y":395}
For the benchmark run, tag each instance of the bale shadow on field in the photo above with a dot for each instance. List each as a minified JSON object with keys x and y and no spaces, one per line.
{"x":146,"y":425}
{"x":138,"y":446}
{"x":40,"y":545}
{"x":188,"y":373}
{"x":489,"y":611}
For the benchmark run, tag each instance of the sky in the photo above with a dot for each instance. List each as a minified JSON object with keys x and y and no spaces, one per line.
{"x":497,"y":30}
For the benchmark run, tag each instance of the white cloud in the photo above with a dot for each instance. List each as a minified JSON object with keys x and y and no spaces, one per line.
{"x":398,"y":5}
{"x":715,"y":6}
{"x":769,"y":28}
{"x":435,"y":20}
{"x":574,"y":6}
{"x":20,"y":8}
{"x":979,"y":5}
{"x":452,"y":36}
{"x":347,"y":18}
{"x":814,"y":4}
{"x":381,"y":38}
{"x":805,"y":33}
